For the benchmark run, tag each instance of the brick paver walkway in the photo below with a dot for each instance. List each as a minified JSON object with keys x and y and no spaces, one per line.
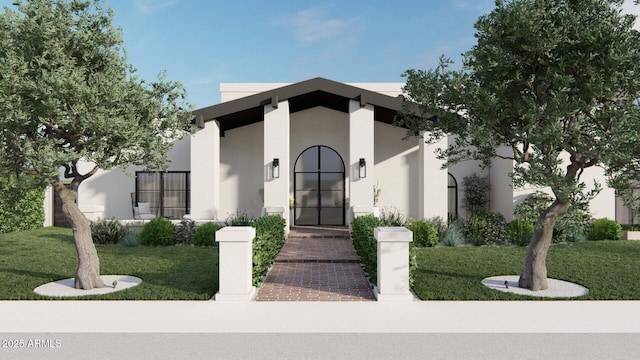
{"x":316,"y":264}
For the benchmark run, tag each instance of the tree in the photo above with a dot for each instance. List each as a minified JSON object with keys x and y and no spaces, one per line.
{"x":68,"y":95}
{"x":554,"y":81}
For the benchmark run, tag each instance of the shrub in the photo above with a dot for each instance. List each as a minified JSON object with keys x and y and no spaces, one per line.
{"x":266,"y":245}
{"x":453,"y":235}
{"x":569,"y":227}
{"x":605,"y":229}
{"x":424,"y":233}
{"x":520,"y":232}
{"x":362,"y":234}
{"x":21,"y":202}
{"x":393,"y":217}
{"x":572,"y":226}
{"x":476,"y":193}
{"x":240,"y":218}
{"x":486,"y":229}
{"x":185,"y":231}
{"x":440,"y":224}
{"x":158,"y":232}
{"x":130,"y":240}
{"x":205,"y":234}
{"x":108,"y":231}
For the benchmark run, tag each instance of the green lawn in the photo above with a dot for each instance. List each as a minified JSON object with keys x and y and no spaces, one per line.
{"x":609,"y":269}
{"x":29,"y":259}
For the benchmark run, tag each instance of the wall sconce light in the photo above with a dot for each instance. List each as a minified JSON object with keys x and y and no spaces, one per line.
{"x":275,"y":168}
{"x":363,"y":168}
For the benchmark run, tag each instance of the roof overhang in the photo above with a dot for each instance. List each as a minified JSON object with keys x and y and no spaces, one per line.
{"x":301,"y":96}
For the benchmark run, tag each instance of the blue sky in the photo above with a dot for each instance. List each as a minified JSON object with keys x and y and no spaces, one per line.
{"x":202,"y":43}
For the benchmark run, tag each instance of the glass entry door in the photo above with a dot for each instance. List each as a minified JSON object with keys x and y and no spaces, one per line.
{"x":319,"y":187}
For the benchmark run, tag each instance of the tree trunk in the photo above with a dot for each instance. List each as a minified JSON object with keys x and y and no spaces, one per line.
{"x":88,"y":271}
{"x":534,"y":273}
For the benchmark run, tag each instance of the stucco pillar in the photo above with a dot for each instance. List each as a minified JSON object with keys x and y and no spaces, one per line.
{"x":393,"y":264}
{"x":276,"y":146}
{"x":236,"y":263}
{"x":205,"y":172}
{"x":433,"y":191}
{"x":361,"y":146}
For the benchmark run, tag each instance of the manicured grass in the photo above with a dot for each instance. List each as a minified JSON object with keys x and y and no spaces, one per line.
{"x":32,"y":258}
{"x":609,"y":269}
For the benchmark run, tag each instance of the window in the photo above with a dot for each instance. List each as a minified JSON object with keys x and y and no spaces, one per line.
{"x":453,"y":197}
{"x":168,"y":192}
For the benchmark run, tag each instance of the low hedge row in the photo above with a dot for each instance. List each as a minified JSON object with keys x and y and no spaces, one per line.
{"x":266,"y":245}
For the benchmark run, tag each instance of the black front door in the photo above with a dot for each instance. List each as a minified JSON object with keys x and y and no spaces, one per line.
{"x":319,"y":187}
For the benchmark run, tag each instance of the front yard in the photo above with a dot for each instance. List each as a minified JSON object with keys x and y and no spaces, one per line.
{"x":31,"y":258}
{"x":609,"y":269}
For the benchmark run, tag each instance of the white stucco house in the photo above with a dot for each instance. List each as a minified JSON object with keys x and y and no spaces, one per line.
{"x":314,"y":151}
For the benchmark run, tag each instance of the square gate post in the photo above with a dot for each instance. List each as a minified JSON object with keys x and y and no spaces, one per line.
{"x":236,"y":263}
{"x":393,"y":264}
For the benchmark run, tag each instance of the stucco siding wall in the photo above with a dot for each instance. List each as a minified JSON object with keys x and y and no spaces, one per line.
{"x":241,"y":170}
{"x":396,"y":172}
{"x":112,"y":189}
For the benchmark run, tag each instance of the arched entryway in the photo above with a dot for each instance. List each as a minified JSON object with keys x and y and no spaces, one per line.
{"x":319,"y":197}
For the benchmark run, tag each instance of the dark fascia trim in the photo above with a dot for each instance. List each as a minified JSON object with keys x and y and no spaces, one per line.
{"x":273,"y":96}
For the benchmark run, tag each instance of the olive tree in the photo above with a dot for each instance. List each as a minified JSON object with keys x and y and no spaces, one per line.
{"x":556,"y":82}
{"x":68,"y":96}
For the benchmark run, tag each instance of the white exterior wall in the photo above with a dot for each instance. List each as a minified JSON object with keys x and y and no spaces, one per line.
{"x":361,"y":146}
{"x":502,"y":198}
{"x":112,"y":189}
{"x":397,"y":173}
{"x":205,"y":172}
{"x":433,"y":180}
{"x":276,"y":146}
{"x":241,"y":170}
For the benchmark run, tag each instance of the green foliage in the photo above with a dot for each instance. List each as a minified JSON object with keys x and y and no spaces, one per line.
{"x":520,"y":231}
{"x":453,"y":236}
{"x":440,"y":224}
{"x":572,"y":226}
{"x":605,"y":229}
{"x":130,"y":239}
{"x":569,"y":227}
{"x":545,"y":79}
{"x":158,"y":232}
{"x":486,"y":229}
{"x":240,"y":218}
{"x":476,"y":193}
{"x":205,"y":234}
{"x":362,"y":233}
{"x":424,"y":233}
{"x":21,"y":203}
{"x":108,"y":231}
{"x":185,"y":231}
{"x":69,"y":82}
{"x":267,"y":244}
{"x":393,"y":217}
{"x":531,"y":208}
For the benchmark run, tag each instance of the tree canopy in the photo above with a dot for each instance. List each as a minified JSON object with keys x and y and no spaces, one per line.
{"x":67,"y":93}
{"x":555,"y":81}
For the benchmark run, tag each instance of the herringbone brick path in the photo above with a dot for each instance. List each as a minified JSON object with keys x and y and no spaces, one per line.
{"x":316,"y":264}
